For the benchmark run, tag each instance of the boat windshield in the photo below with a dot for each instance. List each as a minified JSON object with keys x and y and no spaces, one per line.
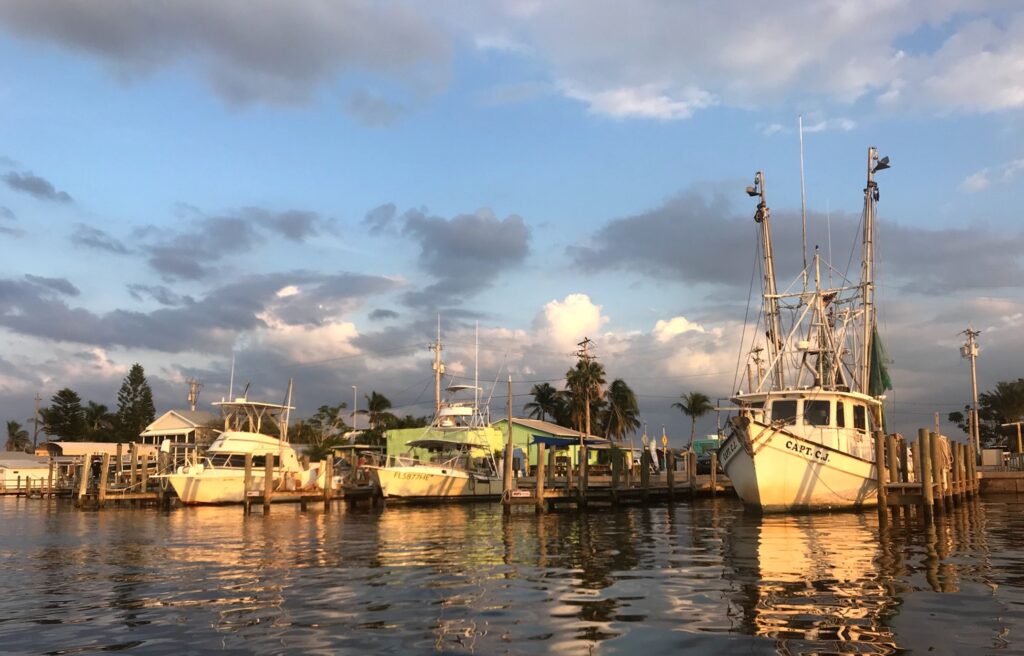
{"x":234,"y":461}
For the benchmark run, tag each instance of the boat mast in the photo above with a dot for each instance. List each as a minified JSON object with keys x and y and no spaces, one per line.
{"x":438,"y":368}
{"x":771,"y":299}
{"x":868,"y":263}
{"x":803,"y":201}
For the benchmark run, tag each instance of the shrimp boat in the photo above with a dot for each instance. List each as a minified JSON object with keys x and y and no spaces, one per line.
{"x":453,"y":460}
{"x":219,"y":477}
{"x":802,"y":436}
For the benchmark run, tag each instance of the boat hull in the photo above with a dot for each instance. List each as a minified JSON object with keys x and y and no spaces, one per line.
{"x":425,"y":483}
{"x":209,"y":488}
{"x":780,"y":472}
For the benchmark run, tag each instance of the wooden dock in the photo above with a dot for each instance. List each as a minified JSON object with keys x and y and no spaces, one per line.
{"x":931,"y":473}
{"x":624,"y":485}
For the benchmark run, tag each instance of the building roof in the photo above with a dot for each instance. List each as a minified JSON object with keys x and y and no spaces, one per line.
{"x":94,"y":448}
{"x":548,"y":427}
{"x":178,"y":422}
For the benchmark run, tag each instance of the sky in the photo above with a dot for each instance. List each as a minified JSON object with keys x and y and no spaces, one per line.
{"x":305,"y":185}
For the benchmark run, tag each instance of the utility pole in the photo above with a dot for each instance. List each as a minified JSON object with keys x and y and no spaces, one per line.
{"x":584,"y":355}
{"x":436,"y":347}
{"x":194,"y":386}
{"x":35,"y":421}
{"x":969,"y":351}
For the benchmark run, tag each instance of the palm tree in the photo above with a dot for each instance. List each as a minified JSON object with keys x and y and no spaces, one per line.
{"x":621,"y":416}
{"x":99,"y":421}
{"x":583,"y":383}
{"x":694,"y":405}
{"x":17,"y":437}
{"x":377,"y":406}
{"x":545,"y":402}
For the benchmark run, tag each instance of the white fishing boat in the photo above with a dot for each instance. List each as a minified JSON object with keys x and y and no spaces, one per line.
{"x":453,"y":460}
{"x":219,"y":476}
{"x":802,"y":438}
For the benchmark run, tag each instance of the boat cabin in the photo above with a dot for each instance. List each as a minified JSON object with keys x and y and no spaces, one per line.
{"x":836,"y":419}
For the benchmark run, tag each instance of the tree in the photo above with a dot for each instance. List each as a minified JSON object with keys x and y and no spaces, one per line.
{"x":328,"y":422}
{"x":377,"y":406}
{"x":694,"y":405}
{"x":65,"y":418}
{"x":1002,"y":405}
{"x":135,"y":408}
{"x":621,"y":414}
{"x":545,"y":402}
{"x":17,"y":437}
{"x":99,"y":422}
{"x":583,"y":382}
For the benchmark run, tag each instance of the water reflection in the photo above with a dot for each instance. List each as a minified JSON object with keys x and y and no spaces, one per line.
{"x":705,"y":576}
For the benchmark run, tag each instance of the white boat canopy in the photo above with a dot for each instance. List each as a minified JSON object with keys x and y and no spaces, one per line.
{"x":439,"y":444}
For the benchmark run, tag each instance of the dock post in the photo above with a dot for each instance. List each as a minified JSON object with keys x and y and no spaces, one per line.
{"x":49,"y":480}
{"x":714,"y":472}
{"x":892,"y":458}
{"x":935,"y":442}
{"x":670,"y":472}
{"x":974,"y":468}
{"x":881,"y":472}
{"x":83,"y":479}
{"x":506,"y":483}
{"x":902,"y":447}
{"x":144,"y":475}
{"x":915,"y":455}
{"x":925,"y":467}
{"x":101,"y":496}
{"x":328,"y":481}
{"x":539,"y":489}
{"x":133,"y":454}
{"x":551,"y":467}
{"x":119,"y":465}
{"x":247,"y":485}
{"x":645,"y":474}
{"x":961,"y":473}
{"x":691,"y":463}
{"x":616,"y":455}
{"x":268,"y":482}
{"x":161,"y":469}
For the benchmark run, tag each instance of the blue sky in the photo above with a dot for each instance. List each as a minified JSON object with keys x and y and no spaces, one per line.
{"x":219,"y":162}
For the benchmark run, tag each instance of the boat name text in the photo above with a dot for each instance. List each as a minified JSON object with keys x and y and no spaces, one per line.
{"x":806,"y":450}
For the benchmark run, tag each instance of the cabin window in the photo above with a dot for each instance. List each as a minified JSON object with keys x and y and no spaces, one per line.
{"x":784,"y":411}
{"x":816,"y":413}
{"x":258,"y":462}
{"x":860,"y":418}
{"x":840,"y":414}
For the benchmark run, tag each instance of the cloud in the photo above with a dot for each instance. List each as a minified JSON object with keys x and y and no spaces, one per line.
{"x":669,"y":60}
{"x":41,"y":188}
{"x":665,"y":330}
{"x":248,"y":52}
{"x":661,"y":244}
{"x":193,"y":252}
{"x":7,"y":214}
{"x":464,"y":254}
{"x":158,"y":293}
{"x":380,"y":219}
{"x":381,"y":314}
{"x":97,"y":239}
{"x":986,"y":177}
{"x":60,"y":285}
{"x":208,"y":325}
{"x":566,"y":322}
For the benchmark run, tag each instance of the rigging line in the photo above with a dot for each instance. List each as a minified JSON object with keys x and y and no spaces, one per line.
{"x":746,"y":315}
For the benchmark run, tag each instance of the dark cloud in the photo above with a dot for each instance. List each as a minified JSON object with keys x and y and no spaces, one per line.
{"x":372,"y":110}
{"x":380,"y":220}
{"x":60,"y":285}
{"x":41,"y":188}
{"x":381,"y":314}
{"x":696,"y":239}
{"x":193,"y":253}
{"x":464,"y":254}
{"x":95,"y":238}
{"x":158,"y":293}
{"x":7,"y":216}
{"x":7,"y":213}
{"x":248,"y":51}
{"x":206,"y":325}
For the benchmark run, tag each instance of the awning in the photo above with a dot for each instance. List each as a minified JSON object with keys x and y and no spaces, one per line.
{"x":565,"y":442}
{"x":167,"y":432}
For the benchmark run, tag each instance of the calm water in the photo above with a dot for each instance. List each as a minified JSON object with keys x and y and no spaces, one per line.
{"x":705,"y":577}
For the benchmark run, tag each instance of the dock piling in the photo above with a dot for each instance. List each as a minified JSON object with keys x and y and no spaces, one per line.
{"x":541,"y":448}
{"x":268,"y":482}
{"x":328,"y":481}
{"x":101,"y":495}
{"x":247,"y":485}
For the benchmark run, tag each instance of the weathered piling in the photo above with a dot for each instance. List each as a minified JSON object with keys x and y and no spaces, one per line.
{"x":268,"y":482}
{"x":133,"y":455}
{"x":902,"y":449}
{"x":101,"y":494}
{"x":541,"y":448}
{"x":83,"y":478}
{"x":49,"y":479}
{"x":328,"y":481}
{"x":506,"y":483}
{"x":925,"y":468}
{"x":880,"y":470}
{"x":670,"y":473}
{"x":645,"y":474}
{"x":714,"y":472}
{"x":892,"y":458}
{"x":119,"y":465}
{"x":247,"y":485}
{"x":937,"y":470}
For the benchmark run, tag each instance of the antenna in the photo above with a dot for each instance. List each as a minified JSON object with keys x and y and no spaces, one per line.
{"x":828,"y":224}
{"x":231,"y":381}
{"x":287,"y":411}
{"x":438,"y":367}
{"x":476,"y":371}
{"x":803,"y":201}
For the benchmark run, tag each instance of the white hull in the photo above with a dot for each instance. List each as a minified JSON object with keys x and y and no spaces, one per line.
{"x":781,"y":472}
{"x":212,"y":486}
{"x":431,"y":483}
